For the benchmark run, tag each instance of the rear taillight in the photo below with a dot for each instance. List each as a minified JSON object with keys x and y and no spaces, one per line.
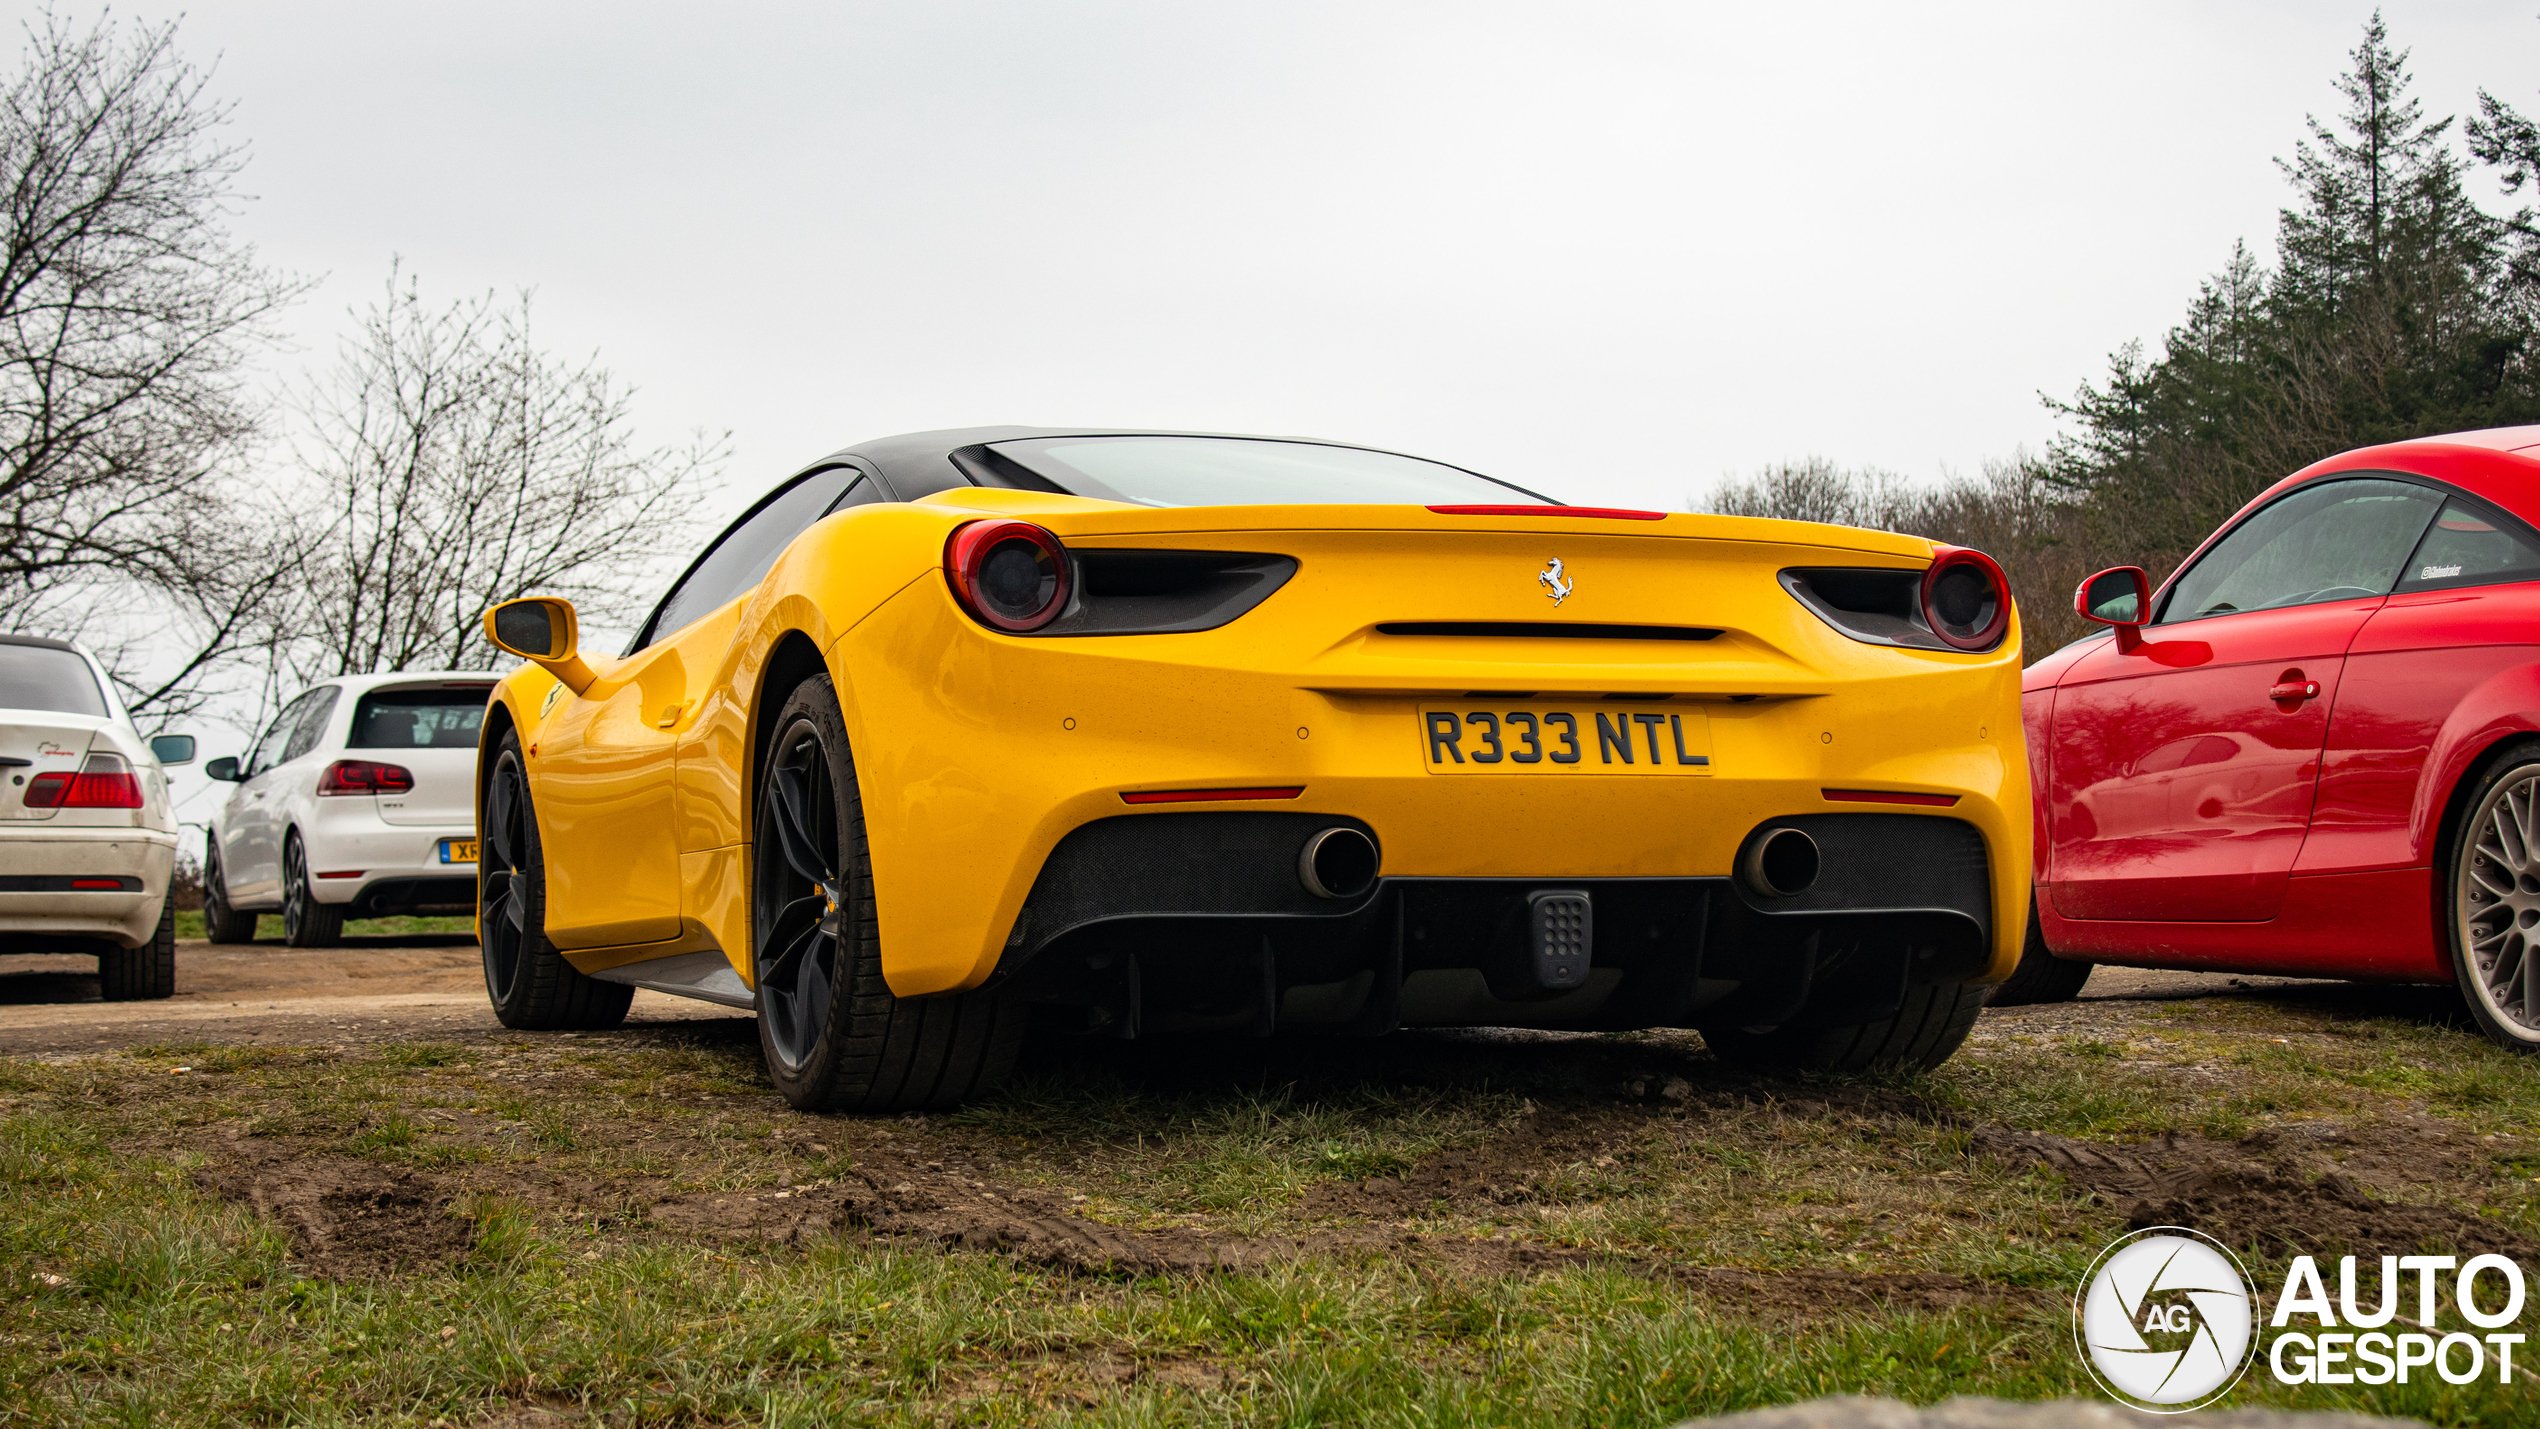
{"x":105,"y":781}
{"x":1010,"y":575}
{"x":363,"y":776}
{"x":1966,"y":602}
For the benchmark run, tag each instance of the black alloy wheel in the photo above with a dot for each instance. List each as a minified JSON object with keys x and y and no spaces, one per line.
{"x":2494,"y":902}
{"x":222,"y":923}
{"x":306,"y":923}
{"x":835,"y":1036}
{"x":796,"y":897}
{"x":530,"y":984}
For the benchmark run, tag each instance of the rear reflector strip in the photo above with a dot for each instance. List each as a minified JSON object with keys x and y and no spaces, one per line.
{"x":1887,"y":796}
{"x":69,"y":883}
{"x":346,"y":873}
{"x":1206,"y":796}
{"x":1593,"y":513}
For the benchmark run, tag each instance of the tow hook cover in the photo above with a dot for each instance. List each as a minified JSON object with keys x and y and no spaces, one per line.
{"x":1562,"y":936}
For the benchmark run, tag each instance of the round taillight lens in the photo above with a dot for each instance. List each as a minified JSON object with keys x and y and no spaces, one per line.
{"x":1966,"y":602}
{"x":1011,"y":575}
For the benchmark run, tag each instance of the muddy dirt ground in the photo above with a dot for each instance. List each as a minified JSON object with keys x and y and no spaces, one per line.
{"x":1593,"y":1106}
{"x":364,"y":1109}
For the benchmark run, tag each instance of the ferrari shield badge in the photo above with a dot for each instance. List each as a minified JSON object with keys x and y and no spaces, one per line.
{"x":1556,"y":582}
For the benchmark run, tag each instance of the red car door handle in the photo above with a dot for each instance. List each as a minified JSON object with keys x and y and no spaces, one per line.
{"x":2295,"y":690}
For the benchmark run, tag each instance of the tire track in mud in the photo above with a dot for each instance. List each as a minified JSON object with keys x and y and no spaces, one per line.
{"x":2268,"y":1192}
{"x":347,"y":1219}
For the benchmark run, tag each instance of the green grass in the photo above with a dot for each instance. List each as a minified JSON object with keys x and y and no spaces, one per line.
{"x":269,"y":926}
{"x":135,"y":1295}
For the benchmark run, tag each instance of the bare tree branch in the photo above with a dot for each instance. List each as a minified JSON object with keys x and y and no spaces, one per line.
{"x":461,"y":466}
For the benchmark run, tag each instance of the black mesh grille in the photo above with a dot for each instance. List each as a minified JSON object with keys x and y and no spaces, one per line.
{"x":1889,"y":861}
{"x":1178,"y":863}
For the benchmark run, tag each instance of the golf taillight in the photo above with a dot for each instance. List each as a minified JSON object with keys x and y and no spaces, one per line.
{"x":1010,"y":575}
{"x":104,"y":781}
{"x":364,"y":776}
{"x":1966,"y":602}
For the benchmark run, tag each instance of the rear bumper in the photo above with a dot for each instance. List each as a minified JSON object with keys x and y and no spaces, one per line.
{"x":399,"y":866}
{"x":1200,"y":923}
{"x":981,"y":754}
{"x":39,"y":899}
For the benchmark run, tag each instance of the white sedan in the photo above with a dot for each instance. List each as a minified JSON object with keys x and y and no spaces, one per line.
{"x":87,"y":840}
{"x":358,"y":801}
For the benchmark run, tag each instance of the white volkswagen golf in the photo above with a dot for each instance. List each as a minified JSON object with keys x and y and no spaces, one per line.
{"x":358,"y":801}
{"x":87,"y":840}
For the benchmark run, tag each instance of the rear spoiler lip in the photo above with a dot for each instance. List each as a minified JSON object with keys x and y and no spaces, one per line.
{"x":1593,"y":513}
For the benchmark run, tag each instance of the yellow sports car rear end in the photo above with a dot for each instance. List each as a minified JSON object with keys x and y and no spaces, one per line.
{"x":1042,"y":739}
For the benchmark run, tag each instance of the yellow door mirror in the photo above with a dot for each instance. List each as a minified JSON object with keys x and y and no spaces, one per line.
{"x":541,"y":630}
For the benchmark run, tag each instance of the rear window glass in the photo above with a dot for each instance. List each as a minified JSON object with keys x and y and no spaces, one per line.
{"x":2468,"y":545}
{"x":38,"y":677}
{"x":1250,"y":471}
{"x":419,"y":719}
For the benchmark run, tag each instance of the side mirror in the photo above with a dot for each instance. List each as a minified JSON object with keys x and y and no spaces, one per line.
{"x":224,"y":769}
{"x":172,"y":748}
{"x":541,"y":630}
{"x":2121,"y":597}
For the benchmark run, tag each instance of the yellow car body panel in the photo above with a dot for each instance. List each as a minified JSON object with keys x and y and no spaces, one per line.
{"x":976,"y":752}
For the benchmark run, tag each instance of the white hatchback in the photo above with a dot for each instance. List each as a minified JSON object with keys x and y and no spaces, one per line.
{"x":87,"y":840}
{"x":358,"y":801}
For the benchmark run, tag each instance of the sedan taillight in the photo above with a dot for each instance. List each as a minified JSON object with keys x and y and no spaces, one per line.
{"x":1010,"y":575}
{"x":105,"y":781}
{"x":363,"y":776}
{"x":1965,"y":599}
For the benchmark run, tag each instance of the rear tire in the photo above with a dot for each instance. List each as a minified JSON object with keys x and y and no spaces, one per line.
{"x":835,"y":1037}
{"x":221,"y":922}
{"x":1923,"y":1034}
{"x":530,"y":984}
{"x":2041,"y":976}
{"x":306,"y":923}
{"x":146,"y":972}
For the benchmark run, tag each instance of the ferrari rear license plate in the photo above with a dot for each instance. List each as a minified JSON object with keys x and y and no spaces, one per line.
{"x":458,"y":850}
{"x":1463,"y":739}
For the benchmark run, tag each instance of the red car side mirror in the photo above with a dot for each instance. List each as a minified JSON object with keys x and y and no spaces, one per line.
{"x":2121,"y":597}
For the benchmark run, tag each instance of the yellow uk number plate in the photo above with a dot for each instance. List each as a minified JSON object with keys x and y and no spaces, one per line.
{"x":1618,"y":739}
{"x":458,"y":850}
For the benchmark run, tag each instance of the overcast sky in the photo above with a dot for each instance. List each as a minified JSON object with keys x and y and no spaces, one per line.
{"x":1614,"y":251}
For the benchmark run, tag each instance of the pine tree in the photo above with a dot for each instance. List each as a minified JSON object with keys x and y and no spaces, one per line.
{"x":2396,"y":309}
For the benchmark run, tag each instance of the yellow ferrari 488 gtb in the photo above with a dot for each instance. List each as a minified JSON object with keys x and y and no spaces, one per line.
{"x":1138,"y":733}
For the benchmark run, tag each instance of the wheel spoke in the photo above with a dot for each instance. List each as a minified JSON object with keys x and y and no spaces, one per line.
{"x":2511,"y":850}
{"x":499,"y":810}
{"x":794,"y":945}
{"x":793,"y":832}
{"x":813,"y":986}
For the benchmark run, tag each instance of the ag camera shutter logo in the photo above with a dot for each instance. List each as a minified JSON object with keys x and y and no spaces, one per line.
{"x":2166,"y":1320}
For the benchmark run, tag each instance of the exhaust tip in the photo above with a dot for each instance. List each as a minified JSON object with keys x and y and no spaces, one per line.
{"x":1781,"y":864}
{"x":1337,"y":863}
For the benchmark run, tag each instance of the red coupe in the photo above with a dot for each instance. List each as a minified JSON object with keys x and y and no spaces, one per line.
{"x":2315,"y":751}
